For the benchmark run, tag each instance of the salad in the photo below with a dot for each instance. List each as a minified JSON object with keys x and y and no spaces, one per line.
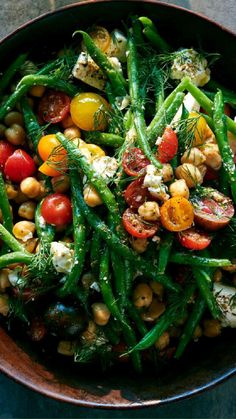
{"x":117,"y":198}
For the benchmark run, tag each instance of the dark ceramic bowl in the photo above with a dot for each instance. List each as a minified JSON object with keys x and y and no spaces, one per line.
{"x":206,"y":363}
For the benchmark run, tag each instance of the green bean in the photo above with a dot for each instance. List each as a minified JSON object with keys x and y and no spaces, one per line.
{"x":15,"y":257}
{"x":134,"y":314}
{"x":106,"y":139}
{"x":189,"y":259}
{"x":150,"y":31}
{"x":5,"y":206}
{"x":190,"y":326}
{"x":165,"y":321}
{"x":137,"y":31}
{"x":10,"y":240}
{"x":204,"y":284}
{"x":33,"y":129}
{"x":111,"y":334}
{"x":11,"y":71}
{"x":222,"y":140}
{"x":164,"y":252}
{"x":223,"y":182}
{"x":33,"y":80}
{"x":136,"y":102}
{"x":109,"y":299}
{"x":118,"y":246}
{"x":45,"y":232}
{"x":95,"y":254}
{"x":116,"y":79}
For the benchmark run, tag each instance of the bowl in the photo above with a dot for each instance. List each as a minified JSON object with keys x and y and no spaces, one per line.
{"x":206,"y":363}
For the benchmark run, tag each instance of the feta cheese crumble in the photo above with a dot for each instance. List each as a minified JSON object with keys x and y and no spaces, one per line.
{"x":154,"y":182}
{"x":226,"y":298}
{"x":190,"y":63}
{"x":62,"y":257}
{"x":105,"y":167}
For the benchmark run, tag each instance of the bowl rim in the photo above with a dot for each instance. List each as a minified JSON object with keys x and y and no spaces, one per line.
{"x":21,"y":378}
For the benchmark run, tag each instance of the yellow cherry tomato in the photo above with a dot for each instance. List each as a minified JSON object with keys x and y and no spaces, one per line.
{"x":89,"y":111}
{"x":49,"y":146}
{"x":94,"y":150}
{"x":47,"y":168}
{"x":177,"y":214}
{"x":197,"y":124}
{"x":100,"y":37}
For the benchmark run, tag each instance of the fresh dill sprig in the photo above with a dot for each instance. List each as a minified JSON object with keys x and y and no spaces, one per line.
{"x":98,"y":349}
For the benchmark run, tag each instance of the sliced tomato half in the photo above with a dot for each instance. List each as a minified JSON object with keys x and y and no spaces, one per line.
{"x":54,"y":106}
{"x":136,"y":194}
{"x":134,"y":161}
{"x":137,"y":227}
{"x":168,"y":147}
{"x":194,"y":239}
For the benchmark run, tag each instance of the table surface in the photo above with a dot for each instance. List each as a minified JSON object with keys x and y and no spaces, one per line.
{"x":17,"y":401}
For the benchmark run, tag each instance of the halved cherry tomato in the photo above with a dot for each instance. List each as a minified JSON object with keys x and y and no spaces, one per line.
{"x":100,"y":37}
{"x":197,"y":124}
{"x":137,"y":227}
{"x":56,"y":209}
{"x":48,"y":168}
{"x":19,"y":166}
{"x":88,"y":111}
{"x":54,"y":106}
{"x":134,"y":161}
{"x":177,"y":214}
{"x":6,"y":150}
{"x":213,"y":211}
{"x":48,"y":145}
{"x":136,"y":194}
{"x":194,"y":239}
{"x":168,"y":147}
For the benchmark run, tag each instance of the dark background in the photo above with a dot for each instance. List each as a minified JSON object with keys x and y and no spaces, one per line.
{"x":17,"y":401}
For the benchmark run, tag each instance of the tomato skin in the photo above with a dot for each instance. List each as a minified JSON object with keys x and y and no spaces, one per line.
{"x":54,"y":106}
{"x":135,"y":226}
{"x":85,"y":114}
{"x":168,"y":147}
{"x":46,"y":146}
{"x":56,"y":209}
{"x":211,"y":174}
{"x":136,"y":194}
{"x":213,"y":211}
{"x":194,"y":239}
{"x":134,"y":161}
{"x":19,"y":166}
{"x":177,"y":214}
{"x":6,"y":150}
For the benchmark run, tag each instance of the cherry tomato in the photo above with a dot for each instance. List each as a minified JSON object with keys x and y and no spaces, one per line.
{"x":19,"y":166}
{"x":213,"y":211}
{"x":6,"y":150}
{"x":88,"y":111}
{"x":177,"y":214}
{"x":137,"y":227}
{"x":54,"y":106}
{"x":134,"y":161}
{"x":100,"y":37}
{"x":198,"y":126}
{"x":136,"y":194}
{"x":211,"y":174}
{"x":168,"y":147}
{"x":49,"y":169}
{"x":56,"y":209}
{"x":194,"y":239}
{"x":49,"y":146}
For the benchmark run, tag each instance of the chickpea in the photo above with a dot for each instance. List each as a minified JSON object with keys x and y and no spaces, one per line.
{"x":179,"y":188}
{"x":72,"y":132}
{"x":2,"y":130}
{"x":61,"y":183}
{"x":67,"y":122}
{"x":91,"y":197}
{"x":30,"y":187}
{"x":14,"y":117}
{"x":230,"y":268}
{"x":190,"y":174}
{"x":4,"y":304}
{"x":194,"y":156}
{"x":27,"y":210}
{"x":101,"y":314}
{"x":197,"y":333}
{"x":217,"y":276}
{"x":21,"y":197}
{"x":163,"y":341}
{"x":87,"y":280}
{"x":11,"y":190}
{"x":157,"y":289}
{"x":43,"y":190}
{"x":149,"y":211}
{"x":4,"y":281}
{"x":139,"y":245}
{"x":142,"y":295}
{"x":30,"y":245}
{"x":90,"y":334}
{"x":154,"y":311}
{"x":167,"y":172}
{"x":24,"y":230}
{"x":212,"y":156}
{"x":15,"y":134}
{"x":66,"y":347}
{"x":37,"y":91}
{"x":202,"y":169}
{"x":211,"y":328}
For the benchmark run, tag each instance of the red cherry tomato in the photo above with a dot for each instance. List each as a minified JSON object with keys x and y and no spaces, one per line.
{"x":137,"y":227}
{"x":56,"y":209}
{"x":54,"y":106}
{"x":213,"y":211}
{"x":134,"y":161}
{"x":168,"y":147}
{"x":194,"y":239}
{"x":19,"y":166}
{"x":136,"y":194}
{"x":211,"y":174}
{"x":6,"y":150}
